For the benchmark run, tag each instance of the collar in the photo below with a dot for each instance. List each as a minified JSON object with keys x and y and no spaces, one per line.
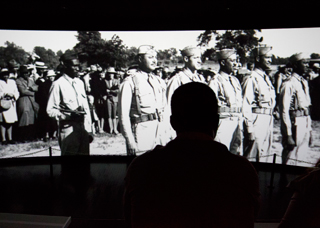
{"x":68,"y":78}
{"x":224,"y":75}
{"x":260,"y":72}
{"x":188,"y":72}
{"x":297,"y":76}
{"x":194,"y":136}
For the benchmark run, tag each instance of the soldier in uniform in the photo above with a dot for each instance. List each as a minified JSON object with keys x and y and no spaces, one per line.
{"x":142,"y":105}
{"x":192,"y":63}
{"x":229,"y":93}
{"x":294,"y":112}
{"x":258,"y":104}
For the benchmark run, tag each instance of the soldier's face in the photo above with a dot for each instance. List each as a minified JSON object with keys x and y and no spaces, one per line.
{"x":265,"y":62}
{"x":194,"y":62}
{"x":231,"y":63}
{"x":302,"y":66}
{"x":148,"y":62}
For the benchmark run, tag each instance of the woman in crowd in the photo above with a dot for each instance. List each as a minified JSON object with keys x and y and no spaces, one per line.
{"x":27,"y":106}
{"x":112,"y":99}
{"x":9,"y":92}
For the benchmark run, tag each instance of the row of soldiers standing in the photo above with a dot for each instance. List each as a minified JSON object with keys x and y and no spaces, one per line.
{"x":246,"y":109}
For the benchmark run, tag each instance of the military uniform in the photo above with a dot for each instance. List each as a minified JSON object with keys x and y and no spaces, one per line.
{"x":258,"y":104}
{"x":229,"y":95}
{"x":142,"y":108}
{"x":295,"y":117}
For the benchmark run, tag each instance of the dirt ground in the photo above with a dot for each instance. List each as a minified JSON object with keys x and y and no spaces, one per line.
{"x":107,"y":144}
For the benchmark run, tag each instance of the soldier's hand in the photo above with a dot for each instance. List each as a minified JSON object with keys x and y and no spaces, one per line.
{"x":291,"y":142}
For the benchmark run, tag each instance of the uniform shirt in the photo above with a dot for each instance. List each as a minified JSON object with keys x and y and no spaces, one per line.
{"x":181,"y":78}
{"x":68,"y":94}
{"x":227,"y":89}
{"x":294,"y":95}
{"x":151,"y":97}
{"x":258,"y":91}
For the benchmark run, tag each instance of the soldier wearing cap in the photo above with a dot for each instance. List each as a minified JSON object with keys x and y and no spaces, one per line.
{"x":258,"y":104}
{"x":142,"y":104}
{"x":192,"y":63}
{"x":68,"y":104}
{"x":294,"y":112}
{"x":229,"y":93}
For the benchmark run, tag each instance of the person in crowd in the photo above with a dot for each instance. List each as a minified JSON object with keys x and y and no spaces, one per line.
{"x":142,"y":105}
{"x":27,"y":107}
{"x":303,"y":209}
{"x":258,"y":104}
{"x":189,"y":182}
{"x":46,"y":125}
{"x":9,"y":92}
{"x":112,"y":88}
{"x":314,"y":85}
{"x":294,"y":105}
{"x":68,"y":104}
{"x":38,"y":71}
{"x":165,"y":74}
{"x":13,"y":68}
{"x":229,"y":93}
{"x":158,"y":71}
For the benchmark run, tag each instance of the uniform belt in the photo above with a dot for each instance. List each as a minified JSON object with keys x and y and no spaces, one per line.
{"x":266,"y":111}
{"x":144,"y":118}
{"x":300,"y":112}
{"x":230,"y":110}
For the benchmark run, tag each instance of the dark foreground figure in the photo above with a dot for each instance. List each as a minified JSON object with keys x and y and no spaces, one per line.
{"x":193,"y":181}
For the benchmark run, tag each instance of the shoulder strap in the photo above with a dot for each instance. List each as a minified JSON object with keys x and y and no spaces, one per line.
{"x":136,"y":93}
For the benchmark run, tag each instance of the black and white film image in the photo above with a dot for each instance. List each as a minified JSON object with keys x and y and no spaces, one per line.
{"x":108,"y":92}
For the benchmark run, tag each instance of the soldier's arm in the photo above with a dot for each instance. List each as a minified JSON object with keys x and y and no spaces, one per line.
{"x":286,"y":93}
{"x":248,"y":99}
{"x":173,"y":84}
{"x":124,"y":105}
{"x":214,"y":85}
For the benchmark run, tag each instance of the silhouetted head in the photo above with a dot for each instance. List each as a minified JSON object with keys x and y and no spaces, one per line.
{"x":194,"y":107}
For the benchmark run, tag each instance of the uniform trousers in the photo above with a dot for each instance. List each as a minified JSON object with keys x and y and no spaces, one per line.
{"x":301,"y":135}
{"x":73,"y":138}
{"x":146,"y":135}
{"x":263,"y":131}
{"x":230,"y":133}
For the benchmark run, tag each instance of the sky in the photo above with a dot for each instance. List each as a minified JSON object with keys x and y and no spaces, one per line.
{"x":285,"y":42}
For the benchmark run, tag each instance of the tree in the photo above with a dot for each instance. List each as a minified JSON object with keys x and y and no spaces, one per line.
{"x":243,"y":41}
{"x":115,"y":53}
{"x":12,"y":51}
{"x":315,"y":56}
{"x":50,"y":58}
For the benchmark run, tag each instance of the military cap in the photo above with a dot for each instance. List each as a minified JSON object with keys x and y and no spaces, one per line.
{"x":262,"y":50}
{"x":190,"y":51}
{"x":316,"y":65}
{"x":225,"y":53}
{"x":296,"y":57}
{"x":144,"y":49}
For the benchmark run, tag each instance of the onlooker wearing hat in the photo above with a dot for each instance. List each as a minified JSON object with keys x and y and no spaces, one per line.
{"x":229,"y":93}
{"x":13,"y":67}
{"x":142,"y":105}
{"x":68,"y":104}
{"x":8,"y":91}
{"x":46,"y":125}
{"x":38,"y":71}
{"x":295,"y":112}
{"x":27,"y":106}
{"x":112,"y":99}
{"x":258,"y":104}
{"x":192,"y":63}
